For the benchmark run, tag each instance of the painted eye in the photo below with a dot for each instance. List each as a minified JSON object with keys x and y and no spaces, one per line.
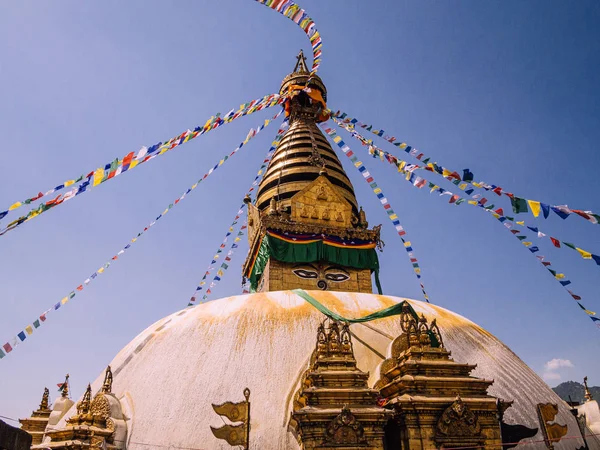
{"x":305,"y":273}
{"x":337,"y":277}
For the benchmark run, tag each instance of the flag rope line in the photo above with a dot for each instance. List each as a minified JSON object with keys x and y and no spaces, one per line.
{"x":259,"y":174}
{"x":419,"y":182}
{"x":131,"y":160}
{"x":408,"y":169}
{"x":382,"y":199}
{"x":299,"y":16}
{"x":519,"y":204}
{"x":28,"y":330}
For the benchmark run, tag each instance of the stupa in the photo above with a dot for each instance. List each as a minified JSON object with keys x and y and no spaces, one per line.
{"x":284,"y":365}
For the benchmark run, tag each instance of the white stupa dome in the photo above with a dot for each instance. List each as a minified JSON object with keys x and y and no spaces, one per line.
{"x":168,"y":376}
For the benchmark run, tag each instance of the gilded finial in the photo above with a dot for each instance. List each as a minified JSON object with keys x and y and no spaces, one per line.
{"x":301,"y":63}
{"x":588,"y":395}
{"x":108,"y":380}
{"x":45,"y":400}
{"x":83,"y":407}
{"x":65,"y":387}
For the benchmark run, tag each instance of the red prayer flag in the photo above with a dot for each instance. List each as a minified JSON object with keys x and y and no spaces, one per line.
{"x":7,"y":347}
{"x":500,"y":211}
{"x":556,"y":242}
{"x":576,"y":297}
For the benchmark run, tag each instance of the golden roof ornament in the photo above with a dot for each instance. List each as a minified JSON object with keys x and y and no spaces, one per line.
{"x":588,"y":395}
{"x":108,"y":380}
{"x":83,"y":406}
{"x":45,"y":403}
{"x":64,"y":388}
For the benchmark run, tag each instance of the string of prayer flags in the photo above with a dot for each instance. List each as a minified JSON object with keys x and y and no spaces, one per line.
{"x":498,"y":214}
{"x":216,"y":256}
{"x":132,"y":160}
{"x":466,"y":183}
{"x":255,"y":182}
{"x":560,"y":277}
{"x":299,"y":16}
{"x":382,"y":199}
{"x":28,"y":330}
{"x":225,"y":265}
{"x":419,"y":182}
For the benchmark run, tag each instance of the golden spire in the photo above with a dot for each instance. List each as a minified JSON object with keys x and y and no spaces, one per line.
{"x":588,"y":395}
{"x":108,"y":379}
{"x":45,"y":400}
{"x":65,"y":387}
{"x":83,"y":407}
{"x":301,"y":63}
{"x":303,"y":152}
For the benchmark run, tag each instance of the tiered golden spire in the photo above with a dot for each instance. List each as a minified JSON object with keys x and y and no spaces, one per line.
{"x":45,"y":400}
{"x":303,"y":151}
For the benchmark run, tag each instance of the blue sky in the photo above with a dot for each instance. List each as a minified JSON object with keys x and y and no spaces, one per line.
{"x":507,"y":89}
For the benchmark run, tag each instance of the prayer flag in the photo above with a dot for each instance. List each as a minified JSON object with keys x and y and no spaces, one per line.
{"x":545,"y":210}
{"x":584,"y":254}
{"x":556,"y":242}
{"x":535,"y":207}
{"x":519,"y":205}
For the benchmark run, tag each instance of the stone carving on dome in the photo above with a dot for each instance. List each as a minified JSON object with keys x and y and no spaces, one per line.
{"x":345,"y":429}
{"x":458,"y":421}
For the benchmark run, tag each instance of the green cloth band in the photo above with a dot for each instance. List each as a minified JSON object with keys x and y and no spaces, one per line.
{"x":280,"y":250}
{"x":393,"y":310}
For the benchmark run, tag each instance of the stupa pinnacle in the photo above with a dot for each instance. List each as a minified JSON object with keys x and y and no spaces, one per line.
{"x":305,"y":229}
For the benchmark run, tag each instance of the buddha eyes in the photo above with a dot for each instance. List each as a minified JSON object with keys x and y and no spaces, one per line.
{"x":333,"y":273}
{"x":336,"y":277}
{"x":305,"y":273}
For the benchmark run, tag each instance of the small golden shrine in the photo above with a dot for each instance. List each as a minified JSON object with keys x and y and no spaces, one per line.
{"x":98,"y":423}
{"x":36,"y":424}
{"x":335,"y":407}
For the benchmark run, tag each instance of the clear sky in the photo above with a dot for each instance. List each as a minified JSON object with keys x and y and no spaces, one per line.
{"x":508,"y":89}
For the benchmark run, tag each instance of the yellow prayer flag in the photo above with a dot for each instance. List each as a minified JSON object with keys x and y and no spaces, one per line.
{"x":403,"y":145}
{"x":69,"y":183}
{"x":472,"y":202}
{"x":462,"y":186}
{"x":583,"y":253}
{"x":337,"y":139}
{"x":591,"y":313}
{"x":64,"y":300}
{"x":476,"y":184}
{"x":445,"y":172}
{"x":401,"y":166}
{"x":377,"y":190}
{"x":521,"y":223}
{"x":535,"y":207}
{"x":559,"y":276}
{"x":134,"y":163}
{"x":407,"y":244}
{"x":14,"y":206}
{"x":527,"y":243}
{"x":393,"y":217}
{"x":101,"y":269}
{"x":29,"y":329}
{"x":98,"y":175}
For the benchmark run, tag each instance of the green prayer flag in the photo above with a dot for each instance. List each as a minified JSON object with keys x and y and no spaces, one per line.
{"x":568,"y":244}
{"x":521,"y":237}
{"x":36,"y":324}
{"x":519,"y":205}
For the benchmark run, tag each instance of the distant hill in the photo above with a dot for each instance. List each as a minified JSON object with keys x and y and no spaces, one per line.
{"x":575,"y":390}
